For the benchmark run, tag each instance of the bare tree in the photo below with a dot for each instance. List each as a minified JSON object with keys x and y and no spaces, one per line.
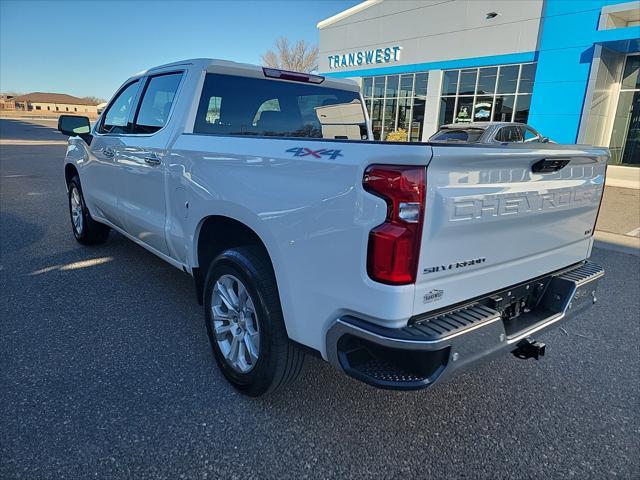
{"x":94,"y":100}
{"x":300,"y":57}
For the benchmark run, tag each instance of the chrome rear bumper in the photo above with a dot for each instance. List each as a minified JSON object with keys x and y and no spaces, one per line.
{"x":436,"y":346}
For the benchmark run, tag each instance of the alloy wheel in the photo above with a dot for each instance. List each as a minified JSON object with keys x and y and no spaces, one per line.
{"x":235,"y":323}
{"x":76,"y":210}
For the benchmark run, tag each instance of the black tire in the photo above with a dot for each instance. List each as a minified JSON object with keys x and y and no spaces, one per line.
{"x":279,"y":361}
{"x":89,"y":232}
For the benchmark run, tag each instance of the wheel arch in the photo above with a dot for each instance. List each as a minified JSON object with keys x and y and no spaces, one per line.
{"x":70,"y":171}
{"x":216,"y":233}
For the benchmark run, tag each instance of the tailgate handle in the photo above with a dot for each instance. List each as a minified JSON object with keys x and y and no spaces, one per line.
{"x":548,"y":165}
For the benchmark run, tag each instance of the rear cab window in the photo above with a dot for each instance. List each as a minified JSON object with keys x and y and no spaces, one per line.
{"x":234,"y":105}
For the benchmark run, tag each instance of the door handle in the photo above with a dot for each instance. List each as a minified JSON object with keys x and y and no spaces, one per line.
{"x":152,"y":159}
{"x":108,"y":152}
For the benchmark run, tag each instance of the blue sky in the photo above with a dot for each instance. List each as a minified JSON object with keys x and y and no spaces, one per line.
{"x":90,"y":47}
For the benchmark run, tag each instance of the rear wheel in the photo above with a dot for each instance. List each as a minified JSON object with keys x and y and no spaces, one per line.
{"x":86,"y":230}
{"x":245,"y":323}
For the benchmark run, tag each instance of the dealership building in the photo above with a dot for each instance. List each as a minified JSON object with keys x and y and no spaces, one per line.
{"x":569,"y":68}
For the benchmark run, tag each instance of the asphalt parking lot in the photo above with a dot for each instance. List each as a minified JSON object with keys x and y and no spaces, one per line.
{"x":106,"y":372}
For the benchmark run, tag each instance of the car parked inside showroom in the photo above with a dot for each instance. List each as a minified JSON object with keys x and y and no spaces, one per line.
{"x":488,"y":133}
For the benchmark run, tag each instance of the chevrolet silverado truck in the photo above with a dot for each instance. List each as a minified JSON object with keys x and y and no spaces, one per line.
{"x":399,"y":263}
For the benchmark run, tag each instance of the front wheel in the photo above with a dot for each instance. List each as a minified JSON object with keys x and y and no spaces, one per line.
{"x":245,"y":323}
{"x":86,"y":230}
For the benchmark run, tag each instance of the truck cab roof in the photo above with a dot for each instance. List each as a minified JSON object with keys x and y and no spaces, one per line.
{"x":228,"y":67}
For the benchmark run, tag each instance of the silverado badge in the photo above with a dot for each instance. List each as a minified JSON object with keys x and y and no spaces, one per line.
{"x":453,"y":266}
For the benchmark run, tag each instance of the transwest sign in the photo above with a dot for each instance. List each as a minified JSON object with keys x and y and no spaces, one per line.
{"x":365,"y":57}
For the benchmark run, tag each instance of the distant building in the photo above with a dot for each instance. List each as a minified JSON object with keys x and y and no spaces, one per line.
{"x":6,"y":102}
{"x":52,"y":102}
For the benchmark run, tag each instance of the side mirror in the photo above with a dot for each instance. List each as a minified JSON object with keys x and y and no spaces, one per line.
{"x":544,"y":139}
{"x":75,"y":126}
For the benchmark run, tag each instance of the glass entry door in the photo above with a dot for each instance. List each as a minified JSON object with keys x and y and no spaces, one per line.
{"x":625,"y":136}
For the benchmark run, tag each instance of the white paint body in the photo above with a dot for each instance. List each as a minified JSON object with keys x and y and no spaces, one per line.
{"x":314,"y":217}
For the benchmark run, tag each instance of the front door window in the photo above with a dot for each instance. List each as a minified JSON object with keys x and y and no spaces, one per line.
{"x":117,"y":118}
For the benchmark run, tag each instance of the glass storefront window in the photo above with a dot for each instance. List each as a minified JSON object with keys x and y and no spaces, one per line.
{"x":376,"y":118}
{"x":487,"y":94}
{"x":523,"y":102}
{"x":487,"y":80}
{"x":421,"y":85}
{"x":392,"y":86}
{"x":631,"y":151}
{"x":396,"y":101}
{"x":406,"y":85}
{"x":378,"y":87}
{"x":367,"y":87}
{"x":631,"y":75}
{"x":450,"y":82}
{"x":508,"y":80}
{"x":527,"y":75}
{"x":463,"y":112}
{"x":417,"y":121}
{"x":625,"y":136}
{"x":504,"y":108}
{"x":447,"y":107}
{"x":367,"y":105}
{"x":390,"y":115}
{"x":404,"y":112}
{"x":482,"y":109}
{"x":468,"y":82}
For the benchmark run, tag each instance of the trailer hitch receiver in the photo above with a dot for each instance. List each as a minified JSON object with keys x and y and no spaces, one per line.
{"x":529,"y":348}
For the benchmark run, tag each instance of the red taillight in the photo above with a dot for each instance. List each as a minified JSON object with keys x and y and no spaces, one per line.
{"x":394,"y":246}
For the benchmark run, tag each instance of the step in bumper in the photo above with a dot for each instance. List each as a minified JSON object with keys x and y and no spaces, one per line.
{"x":433,"y":347}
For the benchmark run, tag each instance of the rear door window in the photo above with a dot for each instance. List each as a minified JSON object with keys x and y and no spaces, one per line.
{"x":232,"y":105}
{"x":157,"y":101}
{"x":116,"y":119}
{"x":510,"y":134}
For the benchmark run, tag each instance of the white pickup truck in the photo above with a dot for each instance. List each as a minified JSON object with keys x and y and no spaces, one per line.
{"x":399,"y":263}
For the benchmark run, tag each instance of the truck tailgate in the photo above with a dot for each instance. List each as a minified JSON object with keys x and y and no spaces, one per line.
{"x":497,"y":216}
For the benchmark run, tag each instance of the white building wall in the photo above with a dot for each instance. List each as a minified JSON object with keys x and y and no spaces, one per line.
{"x":63,"y":107}
{"x":432,"y":30}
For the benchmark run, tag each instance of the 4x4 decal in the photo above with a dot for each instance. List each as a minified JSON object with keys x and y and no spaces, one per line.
{"x":303,"y":152}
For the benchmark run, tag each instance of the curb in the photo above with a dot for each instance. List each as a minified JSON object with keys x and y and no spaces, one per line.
{"x":617,"y":243}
